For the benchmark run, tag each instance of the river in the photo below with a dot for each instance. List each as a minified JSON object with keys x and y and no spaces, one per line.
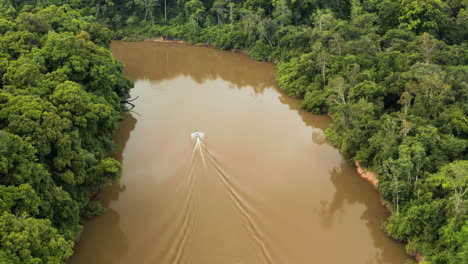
{"x":264,"y":186}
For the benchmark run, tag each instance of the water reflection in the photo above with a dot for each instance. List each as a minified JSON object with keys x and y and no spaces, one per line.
{"x":331,"y":212}
{"x":318,"y":121}
{"x":160,"y":62}
{"x":302,"y":201}
{"x":112,"y":240}
{"x":171,"y":60}
{"x":127,"y":125}
{"x":113,"y":243}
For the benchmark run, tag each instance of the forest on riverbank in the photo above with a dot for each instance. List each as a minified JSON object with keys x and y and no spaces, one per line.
{"x":60,"y":104}
{"x":393,"y":75}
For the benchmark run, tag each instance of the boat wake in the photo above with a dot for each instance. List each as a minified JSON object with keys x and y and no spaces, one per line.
{"x":205,"y":163}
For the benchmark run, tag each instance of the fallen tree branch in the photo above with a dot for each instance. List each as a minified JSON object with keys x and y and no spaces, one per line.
{"x":128,"y":101}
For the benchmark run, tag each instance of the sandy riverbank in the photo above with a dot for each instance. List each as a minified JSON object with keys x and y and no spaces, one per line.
{"x":370,"y":176}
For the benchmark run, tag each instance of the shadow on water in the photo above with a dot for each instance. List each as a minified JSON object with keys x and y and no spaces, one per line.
{"x":205,"y":64}
{"x":160,"y":62}
{"x":127,"y":125}
{"x":344,"y":179}
{"x":318,"y":122}
{"x":112,"y":240}
{"x":170,"y":60}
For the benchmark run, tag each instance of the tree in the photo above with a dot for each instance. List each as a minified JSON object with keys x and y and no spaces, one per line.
{"x":165,"y":9}
{"x":266,"y":29}
{"x":294,"y":76}
{"x":405,"y":101}
{"x":430,"y":92}
{"x":25,"y":74}
{"x":219,"y":8}
{"x":388,"y":12}
{"x":391,"y":73}
{"x":427,"y":45}
{"x":21,"y":200}
{"x":315,"y":101}
{"x":406,"y":126}
{"x":454,"y":178}
{"x":322,"y":60}
{"x":231,"y":13}
{"x":337,"y":44}
{"x":395,"y":169}
{"x":148,"y":6}
{"x":30,"y":241}
{"x":356,"y":9}
{"x":282,"y":13}
{"x":324,"y":19}
{"x":424,"y":15}
{"x":368,"y":90}
{"x":59,"y":106}
{"x":194,"y":10}
{"x":339,"y":87}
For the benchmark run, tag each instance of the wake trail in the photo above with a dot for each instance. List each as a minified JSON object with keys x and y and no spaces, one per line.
{"x":186,"y":221}
{"x":199,"y":146}
{"x":240,"y":204}
{"x":188,"y":216}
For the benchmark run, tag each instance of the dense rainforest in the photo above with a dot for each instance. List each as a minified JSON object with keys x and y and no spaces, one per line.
{"x":60,"y":103}
{"x":392,"y":74}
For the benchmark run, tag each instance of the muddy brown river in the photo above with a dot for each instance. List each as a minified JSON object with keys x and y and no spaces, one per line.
{"x":263,"y":186}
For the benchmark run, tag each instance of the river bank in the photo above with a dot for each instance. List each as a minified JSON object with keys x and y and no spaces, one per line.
{"x":365,"y":173}
{"x":379,"y":70}
{"x":163,"y":40}
{"x":373,"y":179}
{"x":228,"y":95}
{"x":370,"y":176}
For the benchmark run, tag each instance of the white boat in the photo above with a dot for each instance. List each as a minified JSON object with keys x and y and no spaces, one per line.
{"x":198,"y":134}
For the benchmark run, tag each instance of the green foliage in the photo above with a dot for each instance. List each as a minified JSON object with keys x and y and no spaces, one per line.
{"x":21,"y":200}
{"x":31,"y":241}
{"x":60,"y":93}
{"x":315,"y":101}
{"x":424,"y":15}
{"x":392,"y":74}
{"x":294,"y":76}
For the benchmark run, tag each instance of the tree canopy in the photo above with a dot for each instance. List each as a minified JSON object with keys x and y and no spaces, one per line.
{"x":392,"y":74}
{"x":60,"y":103}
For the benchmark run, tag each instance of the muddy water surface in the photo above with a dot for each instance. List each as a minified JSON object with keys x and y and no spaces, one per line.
{"x":262,"y":187}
